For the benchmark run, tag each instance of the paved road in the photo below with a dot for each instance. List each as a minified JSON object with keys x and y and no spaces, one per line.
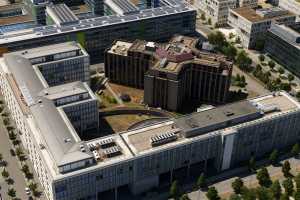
{"x":12,"y":168}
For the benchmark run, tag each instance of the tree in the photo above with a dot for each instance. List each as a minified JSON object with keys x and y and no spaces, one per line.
{"x":231,"y":35}
{"x":291,"y":77}
{"x":11,"y":192}
{"x":201,"y":182}
{"x":276,"y":189}
{"x":19,"y":151}
{"x":5,"y":173}
{"x":288,"y":186}
{"x":185,"y":197}
{"x":174,"y":190}
{"x":295,"y":149}
{"x":32,"y":186}
{"x":285,"y":197}
{"x":263,"y":177}
{"x":281,"y":70}
{"x":235,"y":197}
{"x":1,"y":157}
{"x":25,"y":168}
{"x":238,"y":40}
{"x":261,"y":58}
{"x":12,"y":135}
{"x":297,"y":195}
{"x":248,"y":194}
{"x":230,"y":51}
{"x":218,"y":39}
{"x":286,"y":167}
{"x":237,"y":185}
{"x":263,"y":193}
{"x":297,"y":181}
{"x":252,"y":164}
{"x":212,"y":194}
{"x":273,"y":156}
{"x":209,"y":21}
{"x":271,"y":64}
{"x":243,"y":61}
{"x":203,"y":17}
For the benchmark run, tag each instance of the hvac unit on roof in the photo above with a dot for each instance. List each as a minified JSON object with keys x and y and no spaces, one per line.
{"x":163,"y":138}
{"x":112,"y":151}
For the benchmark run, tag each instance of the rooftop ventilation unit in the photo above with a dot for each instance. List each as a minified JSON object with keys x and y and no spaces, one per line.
{"x":112,"y":151}
{"x":163,"y":138}
{"x":109,"y":142}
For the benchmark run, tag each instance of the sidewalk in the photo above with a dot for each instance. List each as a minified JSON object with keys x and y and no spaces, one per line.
{"x":224,"y":187}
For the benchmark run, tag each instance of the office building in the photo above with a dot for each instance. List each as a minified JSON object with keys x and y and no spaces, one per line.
{"x":252,"y":25}
{"x":97,"y":33}
{"x":59,"y":63}
{"x":217,"y":11}
{"x":290,"y":5}
{"x":13,"y":17}
{"x":138,"y":160}
{"x":283,"y":44}
{"x":171,"y":74}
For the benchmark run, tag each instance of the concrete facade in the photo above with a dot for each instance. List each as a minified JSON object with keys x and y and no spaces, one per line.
{"x":171,"y":74}
{"x":97,"y":33}
{"x":283,"y":44}
{"x":252,"y":25}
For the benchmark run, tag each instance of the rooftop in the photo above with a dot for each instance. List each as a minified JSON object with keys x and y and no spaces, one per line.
{"x":263,"y":14}
{"x":174,"y":7}
{"x":45,"y":50}
{"x":60,"y":138}
{"x":61,"y":14}
{"x":287,"y":33}
{"x":212,"y":121}
{"x":14,"y":14}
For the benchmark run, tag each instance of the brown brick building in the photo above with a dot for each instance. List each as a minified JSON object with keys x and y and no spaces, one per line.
{"x":171,"y":74}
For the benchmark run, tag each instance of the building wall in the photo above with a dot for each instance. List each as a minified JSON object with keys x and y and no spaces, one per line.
{"x":283,"y":52}
{"x":66,"y":70}
{"x":258,"y":139}
{"x":195,"y":82}
{"x":96,"y":40}
{"x":84,"y":116}
{"x":217,"y":10}
{"x":290,"y":5}
{"x":251,"y":32}
{"x":29,"y":140}
{"x":127,"y":70}
{"x":142,"y":173}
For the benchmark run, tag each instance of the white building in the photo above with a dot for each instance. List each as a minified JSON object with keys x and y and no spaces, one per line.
{"x":251,"y":25}
{"x":137,"y":160}
{"x":217,"y":10}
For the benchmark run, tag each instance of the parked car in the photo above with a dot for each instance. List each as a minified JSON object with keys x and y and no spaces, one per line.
{"x":27,"y":190}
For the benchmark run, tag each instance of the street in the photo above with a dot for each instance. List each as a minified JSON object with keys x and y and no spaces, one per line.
{"x":13,"y":167}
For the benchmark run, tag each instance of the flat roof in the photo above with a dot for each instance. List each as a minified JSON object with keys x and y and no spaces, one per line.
{"x":259,"y":15}
{"x":24,"y":17}
{"x":179,"y":6}
{"x":217,"y":115}
{"x":49,"y":49}
{"x":59,"y":135}
{"x":210,"y":122}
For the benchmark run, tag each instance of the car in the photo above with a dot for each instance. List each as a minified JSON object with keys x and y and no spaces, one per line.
{"x":27,"y":190}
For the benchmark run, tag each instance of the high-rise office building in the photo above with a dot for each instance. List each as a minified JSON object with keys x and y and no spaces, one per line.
{"x":171,"y":74}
